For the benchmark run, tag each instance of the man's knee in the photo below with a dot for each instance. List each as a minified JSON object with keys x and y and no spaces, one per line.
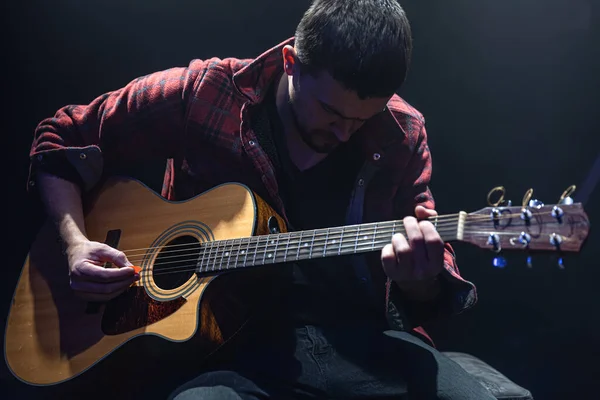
{"x":227,"y":385}
{"x":208,"y":393}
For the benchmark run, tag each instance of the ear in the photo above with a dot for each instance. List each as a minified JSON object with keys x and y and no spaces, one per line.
{"x":289,"y":59}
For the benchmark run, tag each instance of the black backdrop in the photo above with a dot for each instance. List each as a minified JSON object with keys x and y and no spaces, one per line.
{"x":510,"y":93}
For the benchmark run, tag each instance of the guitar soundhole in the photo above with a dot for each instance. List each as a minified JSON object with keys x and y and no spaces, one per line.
{"x":176,"y":262}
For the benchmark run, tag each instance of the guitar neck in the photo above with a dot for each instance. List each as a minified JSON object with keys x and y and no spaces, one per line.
{"x":310,"y":244}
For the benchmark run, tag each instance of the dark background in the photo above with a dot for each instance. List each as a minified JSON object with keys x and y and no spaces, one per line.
{"x":509,"y":90}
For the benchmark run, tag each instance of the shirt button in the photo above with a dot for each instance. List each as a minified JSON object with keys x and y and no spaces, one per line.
{"x":376,"y":156}
{"x":82,"y":156}
{"x":361,"y":182}
{"x":251,"y":143}
{"x":32,"y":183}
{"x":40,"y":157}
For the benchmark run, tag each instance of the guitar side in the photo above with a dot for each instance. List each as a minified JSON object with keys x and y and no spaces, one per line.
{"x":52,"y":336}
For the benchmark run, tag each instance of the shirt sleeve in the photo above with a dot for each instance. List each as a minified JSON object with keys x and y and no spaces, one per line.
{"x":457,"y":294}
{"x":140,"y":122}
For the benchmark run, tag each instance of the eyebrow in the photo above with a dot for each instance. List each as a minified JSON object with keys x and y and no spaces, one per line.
{"x":333,"y":109}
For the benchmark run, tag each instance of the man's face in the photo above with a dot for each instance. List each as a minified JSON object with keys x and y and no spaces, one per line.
{"x":325,"y":113}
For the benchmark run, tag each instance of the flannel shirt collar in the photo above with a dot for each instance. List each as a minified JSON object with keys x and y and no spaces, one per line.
{"x":254,"y":79}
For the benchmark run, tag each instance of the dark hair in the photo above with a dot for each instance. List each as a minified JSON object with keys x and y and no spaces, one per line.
{"x":365,"y":45}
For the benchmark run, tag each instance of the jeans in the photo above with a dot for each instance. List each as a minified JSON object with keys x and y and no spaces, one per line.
{"x":347,"y":362}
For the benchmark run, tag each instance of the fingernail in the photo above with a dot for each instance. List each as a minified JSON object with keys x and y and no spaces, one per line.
{"x":137,"y":277}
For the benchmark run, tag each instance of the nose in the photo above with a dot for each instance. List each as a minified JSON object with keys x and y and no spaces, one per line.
{"x":342,"y":129}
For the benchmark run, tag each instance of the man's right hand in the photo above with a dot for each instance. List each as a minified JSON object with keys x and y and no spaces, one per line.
{"x":90,"y":280}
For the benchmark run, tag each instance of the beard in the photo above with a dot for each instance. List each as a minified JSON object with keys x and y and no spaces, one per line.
{"x":320,"y":141}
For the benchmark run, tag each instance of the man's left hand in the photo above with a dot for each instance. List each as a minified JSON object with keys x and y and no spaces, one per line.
{"x":415,"y":261}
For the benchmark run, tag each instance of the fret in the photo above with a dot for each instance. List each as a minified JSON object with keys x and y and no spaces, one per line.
{"x":325,"y":243}
{"x":257,"y":241}
{"x":356,"y":241}
{"x":212,"y":246}
{"x":276,"y":240}
{"x":237,"y":255}
{"x":230,"y":251}
{"x":311,"y":245}
{"x":266,"y":248}
{"x":299,"y":246}
{"x":334,"y":236}
{"x":287,"y":246}
{"x":203,"y":254}
{"x":374,"y":236}
{"x":247,"y":250}
{"x":223,"y":253}
{"x":341,"y":241}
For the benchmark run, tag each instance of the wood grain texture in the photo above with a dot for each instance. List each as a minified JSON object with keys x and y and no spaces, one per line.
{"x":49,"y":336}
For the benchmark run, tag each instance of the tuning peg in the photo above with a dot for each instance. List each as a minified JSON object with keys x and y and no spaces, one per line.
{"x":526,"y":213}
{"x":556,"y":241}
{"x":499,"y":262}
{"x":501,"y":201}
{"x":494,"y":241}
{"x":534,"y":203}
{"x":566,"y":198}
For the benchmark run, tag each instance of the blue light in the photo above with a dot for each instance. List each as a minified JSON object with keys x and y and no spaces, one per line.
{"x":499,"y":262}
{"x":561,"y":264}
{"x":529,"y":262}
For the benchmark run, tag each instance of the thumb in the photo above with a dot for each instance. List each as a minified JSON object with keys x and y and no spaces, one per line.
{"x":424,"y":213}
{"x":117,"y":257}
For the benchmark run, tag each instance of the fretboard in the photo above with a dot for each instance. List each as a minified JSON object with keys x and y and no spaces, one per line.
{"x":309,"y":244}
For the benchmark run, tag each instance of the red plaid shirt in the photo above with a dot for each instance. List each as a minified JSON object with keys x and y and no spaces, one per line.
{"x":197,"y":118}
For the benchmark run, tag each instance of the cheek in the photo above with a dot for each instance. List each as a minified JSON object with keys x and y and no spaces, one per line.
{"x":310,"y":112}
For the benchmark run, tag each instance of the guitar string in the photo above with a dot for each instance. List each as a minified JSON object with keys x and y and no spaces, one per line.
{"x":292,"y":243}
{"x":363,"y":228}
{"x":266,"y":261}
{"x":267,"y":241}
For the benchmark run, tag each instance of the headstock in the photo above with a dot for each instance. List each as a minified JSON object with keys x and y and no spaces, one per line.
{"x":533,"y":226}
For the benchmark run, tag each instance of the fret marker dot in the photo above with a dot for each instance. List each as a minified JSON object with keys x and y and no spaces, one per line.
{"x":243,"y":251}
{"x":305,"y":244}
{"x":333,"y":241}
{"x":272,"y":241}
{"x":227,"y":253}
{"x":366,"y":237}
{"x":269,"y":255}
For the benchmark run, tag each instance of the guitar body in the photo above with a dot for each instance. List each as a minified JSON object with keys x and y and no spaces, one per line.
{"x":53,"y":336}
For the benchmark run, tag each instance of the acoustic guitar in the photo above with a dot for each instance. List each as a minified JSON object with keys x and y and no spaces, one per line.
{"x":192,"y":254}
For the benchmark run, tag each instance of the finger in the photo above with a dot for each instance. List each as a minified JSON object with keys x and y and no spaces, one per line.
{"x":388,"y":261}
{"x":106,"y":289}
{"x":95,"y":273}
{"x":106,"y":253}
{"x":402,"y":249}
{"x":434,"y":245}
{"x":417,"y":245}
{"x":424,"y":213}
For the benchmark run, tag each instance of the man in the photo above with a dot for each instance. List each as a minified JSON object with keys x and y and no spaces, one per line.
{"x":315,"y":128}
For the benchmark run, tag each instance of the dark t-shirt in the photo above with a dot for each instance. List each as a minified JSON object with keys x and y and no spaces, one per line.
{"x":322,"y":290}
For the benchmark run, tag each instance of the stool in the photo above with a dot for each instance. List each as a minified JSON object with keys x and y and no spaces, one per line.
{"x":498,"y":385}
